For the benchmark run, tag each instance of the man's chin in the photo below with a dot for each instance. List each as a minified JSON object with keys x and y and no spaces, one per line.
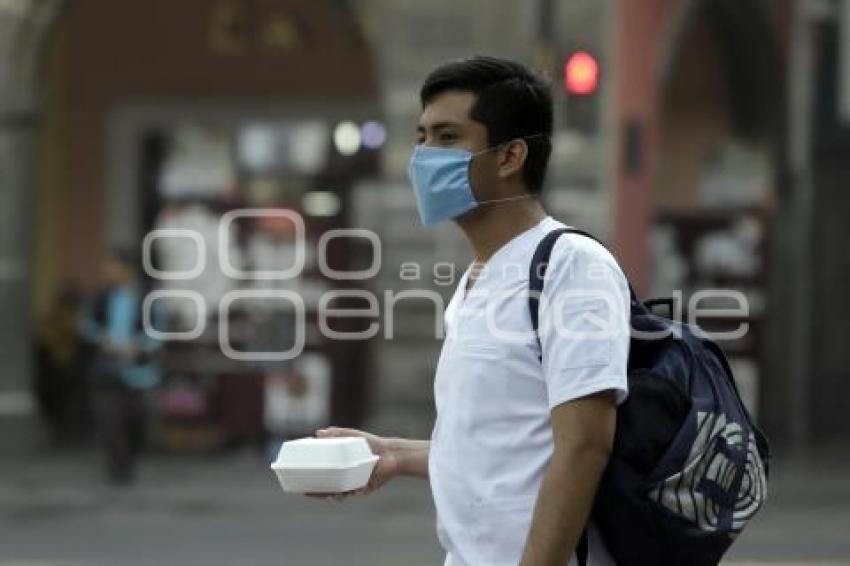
{"x":469,"y":217}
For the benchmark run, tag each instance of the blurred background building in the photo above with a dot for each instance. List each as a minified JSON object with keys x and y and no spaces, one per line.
{"x":701,"y":138}
{"x":706,"y":140}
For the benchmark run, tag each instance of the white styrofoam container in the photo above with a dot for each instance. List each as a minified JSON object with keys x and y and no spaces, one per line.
{"x":324,"y":465}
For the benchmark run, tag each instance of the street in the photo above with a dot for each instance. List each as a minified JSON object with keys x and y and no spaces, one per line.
{"x":55,"y":510}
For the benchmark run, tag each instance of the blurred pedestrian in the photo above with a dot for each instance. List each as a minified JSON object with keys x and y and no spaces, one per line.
{"x":60,"y":386}
{"x":124,"y":367}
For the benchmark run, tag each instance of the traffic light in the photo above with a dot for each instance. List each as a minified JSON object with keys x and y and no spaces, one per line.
{"x":581,"y":86}
{"x":581,"y":74}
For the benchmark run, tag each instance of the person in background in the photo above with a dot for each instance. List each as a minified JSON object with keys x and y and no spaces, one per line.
{"x":60,"y":386}
{"x":123,"y":368}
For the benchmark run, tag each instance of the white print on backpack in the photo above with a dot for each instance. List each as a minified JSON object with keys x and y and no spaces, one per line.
{"x":681,"y":493}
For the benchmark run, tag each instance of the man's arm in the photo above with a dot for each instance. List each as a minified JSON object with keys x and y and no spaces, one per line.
{"x":411,"y":456}
{"x":583,"y":432}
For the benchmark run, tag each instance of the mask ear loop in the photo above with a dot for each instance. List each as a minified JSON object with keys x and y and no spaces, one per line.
{"x":508,"y":199}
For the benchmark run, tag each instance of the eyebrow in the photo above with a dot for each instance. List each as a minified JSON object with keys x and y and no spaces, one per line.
{"x":438,"y":126}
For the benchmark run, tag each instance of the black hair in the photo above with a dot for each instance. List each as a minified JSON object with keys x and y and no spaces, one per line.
{"x":512,"y":102}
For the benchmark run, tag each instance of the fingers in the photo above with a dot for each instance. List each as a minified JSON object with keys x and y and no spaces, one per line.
{"x":337,"y":497}
{"x":374,"y":483}
{"x":326,"y":496}
{"x":334,"y":431}
{"x":318,"y":495}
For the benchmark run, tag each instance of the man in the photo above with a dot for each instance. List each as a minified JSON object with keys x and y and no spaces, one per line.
{"x":524,"y":427}
{"x":123,"y":369}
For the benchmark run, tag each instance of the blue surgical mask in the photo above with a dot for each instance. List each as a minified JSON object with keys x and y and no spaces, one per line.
{"x":440,"y":179}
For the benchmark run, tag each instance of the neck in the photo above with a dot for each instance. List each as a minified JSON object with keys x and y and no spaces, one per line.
{"x":491,"y":226}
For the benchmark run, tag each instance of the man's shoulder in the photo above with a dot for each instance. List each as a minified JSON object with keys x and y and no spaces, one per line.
{"x":581,"y":263}
{"x":576,"y":248}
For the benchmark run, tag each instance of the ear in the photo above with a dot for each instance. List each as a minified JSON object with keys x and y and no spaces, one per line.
{"x":512,"y":158}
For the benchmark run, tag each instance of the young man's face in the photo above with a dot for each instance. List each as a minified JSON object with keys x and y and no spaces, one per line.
{"x":445,"y":122}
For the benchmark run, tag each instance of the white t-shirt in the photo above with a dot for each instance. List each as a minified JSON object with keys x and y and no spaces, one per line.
{"x":492,"y":439}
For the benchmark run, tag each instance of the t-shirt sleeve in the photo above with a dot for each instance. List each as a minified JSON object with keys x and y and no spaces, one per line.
{"x":584,"y":322}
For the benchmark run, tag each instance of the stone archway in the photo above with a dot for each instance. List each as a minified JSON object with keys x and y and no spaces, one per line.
{"x":720,"y":77}
{"x":648,"y":35}
{"x":214,"y":63}
{"x":745,"y":94}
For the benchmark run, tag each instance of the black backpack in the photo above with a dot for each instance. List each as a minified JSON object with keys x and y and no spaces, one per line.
{"x":689,"y":468}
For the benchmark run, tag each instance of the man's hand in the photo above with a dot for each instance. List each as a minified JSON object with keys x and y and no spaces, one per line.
{"x":396,"y":457}
{"x":385,"y":469}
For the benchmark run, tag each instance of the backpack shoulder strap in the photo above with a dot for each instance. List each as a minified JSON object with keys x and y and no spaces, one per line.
{"x":539,"y":265}
{"x":537,"y":273}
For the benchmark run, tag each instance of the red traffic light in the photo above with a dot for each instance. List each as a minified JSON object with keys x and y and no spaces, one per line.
{"x":581,"y":73}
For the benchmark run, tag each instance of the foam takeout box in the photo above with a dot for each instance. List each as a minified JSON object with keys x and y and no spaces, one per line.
{"x":324,"y":465}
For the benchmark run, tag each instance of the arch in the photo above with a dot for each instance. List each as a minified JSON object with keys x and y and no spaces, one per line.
{"x":752,"y":58}
{"x":720,"y":98}
{"x":720,"y":113}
